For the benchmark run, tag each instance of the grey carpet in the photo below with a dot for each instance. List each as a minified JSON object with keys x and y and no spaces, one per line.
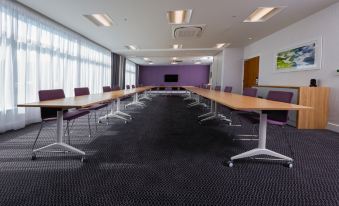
{"x":164,"y":157}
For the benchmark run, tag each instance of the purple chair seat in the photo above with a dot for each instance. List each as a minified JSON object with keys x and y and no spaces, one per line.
{"x":95,"y":107}
{"x":279,"y":117}
{"x":254,"y":118}
{"x":75,"y":114}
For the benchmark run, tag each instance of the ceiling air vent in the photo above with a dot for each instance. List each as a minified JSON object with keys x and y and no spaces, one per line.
{"x":178,"y":61}
{"x":187,"y":31}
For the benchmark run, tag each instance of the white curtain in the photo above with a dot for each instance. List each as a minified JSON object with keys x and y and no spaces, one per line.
{"x":37,"y":54}
{"x":130,"y":73}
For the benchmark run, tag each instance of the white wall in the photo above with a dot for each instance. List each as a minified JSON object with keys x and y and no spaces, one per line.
{"x":233,"y":61}
{"x":217,"y":69}
{"x":323,"y":24}
{"x":227,"y":69}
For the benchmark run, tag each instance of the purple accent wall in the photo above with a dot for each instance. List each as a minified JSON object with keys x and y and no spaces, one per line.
{"x":189,"y":75}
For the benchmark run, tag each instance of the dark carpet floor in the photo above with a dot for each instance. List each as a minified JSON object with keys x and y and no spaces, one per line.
{"x":164,"y":157}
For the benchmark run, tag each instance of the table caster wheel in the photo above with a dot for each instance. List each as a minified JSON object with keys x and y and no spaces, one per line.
{"x":33,"y":157}
{"x":289,"y":164}
{"x":230,"y":163}
{"x":83,"y":159}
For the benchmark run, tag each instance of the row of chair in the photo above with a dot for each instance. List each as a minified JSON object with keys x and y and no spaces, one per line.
{"x":50,"y":114}
{"x":279,"y":118}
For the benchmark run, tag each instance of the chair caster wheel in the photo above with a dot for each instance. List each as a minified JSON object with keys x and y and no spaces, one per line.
{"x":230,"y":163}
{"x":125,"y":122}
{"x":33,"y":157}
{"x":289,"y":165}
{"x":83,"y":159}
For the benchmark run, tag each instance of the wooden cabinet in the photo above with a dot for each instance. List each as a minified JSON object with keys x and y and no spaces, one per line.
{"x":315,"y":97}
{"x":318,"y":99}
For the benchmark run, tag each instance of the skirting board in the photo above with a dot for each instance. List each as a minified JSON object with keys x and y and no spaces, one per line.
{"x":333,"y":127}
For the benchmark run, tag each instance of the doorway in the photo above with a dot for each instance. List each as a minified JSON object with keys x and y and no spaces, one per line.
{"x":251,"y":72}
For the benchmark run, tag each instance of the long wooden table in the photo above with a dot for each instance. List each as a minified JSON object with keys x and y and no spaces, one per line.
{"x":79,"y":102}
{"x":239,"y":102}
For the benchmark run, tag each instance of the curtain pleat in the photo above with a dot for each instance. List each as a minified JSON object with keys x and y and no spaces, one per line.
{"x":37,"y":54}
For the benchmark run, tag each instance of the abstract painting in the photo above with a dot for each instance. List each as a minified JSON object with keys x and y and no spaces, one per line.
{"x":302,"y":57}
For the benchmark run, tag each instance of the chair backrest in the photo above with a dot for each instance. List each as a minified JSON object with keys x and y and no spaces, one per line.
{"x":116,"y":88}
{"x":128,"y":87}
{"x":133,"y":86}
{"x":228,"y":89}
{"x":217,"y":88}
{"x":279,"y":117}
{"x":251,"y":92}
{"x":52,"y":94}
{"x":106,"y":89}
{"x":80,"y":91}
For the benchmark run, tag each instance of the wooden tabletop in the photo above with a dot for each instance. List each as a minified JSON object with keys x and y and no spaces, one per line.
{"x":240,"y":102}
{"x":86,"y":100}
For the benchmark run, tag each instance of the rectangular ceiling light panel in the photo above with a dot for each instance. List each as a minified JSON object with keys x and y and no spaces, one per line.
{"x":262,"y":14}
{"x":100,"y":19}
{"x":179,"y":16}
{"x":177,"y":46}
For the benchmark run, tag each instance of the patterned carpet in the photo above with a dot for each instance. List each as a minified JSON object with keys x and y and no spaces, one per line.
{"x":164,"y":157}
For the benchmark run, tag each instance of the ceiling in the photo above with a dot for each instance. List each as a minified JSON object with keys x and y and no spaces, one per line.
{"x":143,"y":23}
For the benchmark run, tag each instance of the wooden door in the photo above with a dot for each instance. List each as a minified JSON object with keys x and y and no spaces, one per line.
{"x":251,"y":72}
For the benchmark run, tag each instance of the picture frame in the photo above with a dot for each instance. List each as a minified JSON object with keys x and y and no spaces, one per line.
{"x":300,"y":57}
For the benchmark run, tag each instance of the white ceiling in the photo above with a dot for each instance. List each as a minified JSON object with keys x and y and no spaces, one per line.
{"x":143,"y":23}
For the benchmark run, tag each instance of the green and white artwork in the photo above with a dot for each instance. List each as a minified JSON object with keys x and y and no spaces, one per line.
{"x":303,"y":57}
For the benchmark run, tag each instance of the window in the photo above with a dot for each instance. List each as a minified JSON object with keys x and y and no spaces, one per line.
{"x":37,"y":54}
{"x":130,"y":73}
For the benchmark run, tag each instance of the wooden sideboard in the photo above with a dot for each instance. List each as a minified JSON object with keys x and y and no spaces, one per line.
{"x":315,"y":97}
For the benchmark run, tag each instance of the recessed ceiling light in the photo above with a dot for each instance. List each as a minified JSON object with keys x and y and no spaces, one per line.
{"x":150,"y":63}
{"x":206,"y":58}
{"x":132,"y":47}
{"x":262,"y":14}
{"x":177,"y":46}
{"x":197,"y":62}
{"x":146,"y":59}
{"x":100,"y":19}
{"x":174,"y":63}
{"x":222,"y":45}
{"x":250,"y":38}
{"x":179,"y":16}
{"x":175,"y":58}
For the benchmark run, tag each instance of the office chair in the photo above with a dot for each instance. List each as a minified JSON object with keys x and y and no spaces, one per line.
{"x":217,"y":88}
{"x":81,"y":91}
{"x":49,"y":114}
{"x":228,"y":89}
{"x":106,"y":89}
{"x":278,"y":118}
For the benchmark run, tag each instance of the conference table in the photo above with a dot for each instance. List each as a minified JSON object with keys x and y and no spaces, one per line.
{"x":233,"y":101}
{"x":240,"y":102}
{"x":78,"y":102}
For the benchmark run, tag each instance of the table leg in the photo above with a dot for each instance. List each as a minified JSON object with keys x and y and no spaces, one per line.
{"x":115,"y":113}
{"x":209,"y":113}
{"x":261,"y":150}
{"x":59,"y":144}
{"x":135,"y":101}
